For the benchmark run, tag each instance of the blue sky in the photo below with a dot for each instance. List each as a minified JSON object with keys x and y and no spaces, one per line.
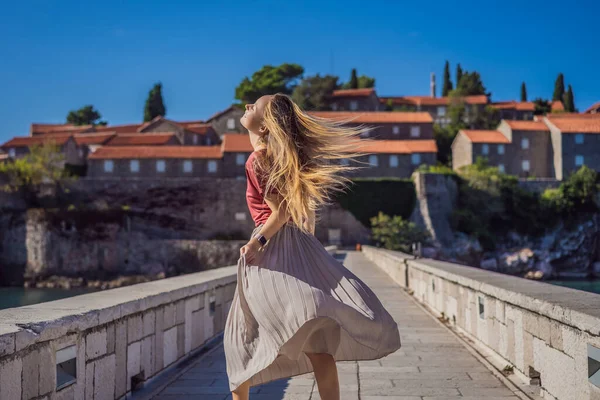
{"x":60,"y":55}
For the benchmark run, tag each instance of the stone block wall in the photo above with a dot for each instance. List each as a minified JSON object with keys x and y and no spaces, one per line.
{"x":122,"y":337}
{"x":541,"y":330}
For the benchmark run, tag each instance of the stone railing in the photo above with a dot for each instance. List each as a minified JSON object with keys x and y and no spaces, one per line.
{"x":103,"y":345}
{"x":549,"y":335}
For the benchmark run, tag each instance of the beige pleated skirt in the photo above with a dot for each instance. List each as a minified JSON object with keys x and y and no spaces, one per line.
{"x":295,"y":298}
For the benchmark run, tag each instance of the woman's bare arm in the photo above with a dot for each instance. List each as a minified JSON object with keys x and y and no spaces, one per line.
{"x":279,"y":216}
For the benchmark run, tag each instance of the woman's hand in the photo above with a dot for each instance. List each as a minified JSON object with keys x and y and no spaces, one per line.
{"x":250,"y":249}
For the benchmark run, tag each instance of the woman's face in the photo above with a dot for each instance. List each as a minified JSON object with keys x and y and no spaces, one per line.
{"x":253,"y":117}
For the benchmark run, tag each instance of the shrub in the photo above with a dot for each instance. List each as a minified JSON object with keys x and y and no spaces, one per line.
{"x":368,"y":196}
{"x":396,"y":233}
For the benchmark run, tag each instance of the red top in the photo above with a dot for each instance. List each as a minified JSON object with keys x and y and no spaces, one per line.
{"x":259,"y":209}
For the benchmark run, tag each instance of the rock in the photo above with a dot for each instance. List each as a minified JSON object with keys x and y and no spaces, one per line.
{"x":491,"y":264}
{"x":596,"y":269}
{"x":535,"y":275}
{"x":152,"y":269}
{"x":430,"y":252}
{"x":467,"y":249}
{"x":517,"y":262}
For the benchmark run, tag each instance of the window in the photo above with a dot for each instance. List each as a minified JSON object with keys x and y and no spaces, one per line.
{"x":524,"y":143}
{"x":195,"y":139}
{"x":441,"y":111}
{"x":578,"y":161}
{"x":80,"y":152}
{"x":208,"y":141}
{"x":108,"y":165}
{"x":134,"y":166}
{"x":364,"y":134}
{"x":373,"y":161}
{"x":415,"y":159}
{"x":240,"y":159}
{"x":485,"y":149}
{"x":334,"y":106}
{"x":160,"y":166}
{"x":212,"y":166}
{"x":187,"y":166}
{"x":579,"y":138}
{"x":353,"y":105}
{"x":415,"y":131}
{"x":12,"y":152}
{"x":396,"y":130}
{"x":394,"y":161}
{"x":500,"y":149}
{"x":231,"y":123}
{"x":525,"y":165}
{"x":345,"y":161}
{"x":501,"y":168}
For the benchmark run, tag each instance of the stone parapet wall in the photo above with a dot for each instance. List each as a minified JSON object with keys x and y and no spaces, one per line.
{"x":544,"y":332}
{"x":121,"y":337}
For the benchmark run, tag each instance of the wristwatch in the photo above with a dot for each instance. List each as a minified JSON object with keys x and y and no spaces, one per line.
{"x":261,"y":239}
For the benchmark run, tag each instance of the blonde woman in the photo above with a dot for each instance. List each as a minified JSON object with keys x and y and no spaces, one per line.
{"x":296,"y":308}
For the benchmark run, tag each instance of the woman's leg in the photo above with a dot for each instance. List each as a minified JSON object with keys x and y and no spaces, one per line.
{"x":242,"y":392}
{"x":326,"y":375}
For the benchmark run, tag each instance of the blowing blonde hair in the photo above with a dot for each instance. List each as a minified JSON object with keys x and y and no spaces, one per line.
{"x":297,"y":163}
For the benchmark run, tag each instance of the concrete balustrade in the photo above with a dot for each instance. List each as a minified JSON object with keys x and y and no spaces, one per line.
{"x":550,"y":335}
{"x":118,"y":338}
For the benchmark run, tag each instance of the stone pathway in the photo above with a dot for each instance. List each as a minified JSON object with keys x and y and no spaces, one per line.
{"x":431,"y":365}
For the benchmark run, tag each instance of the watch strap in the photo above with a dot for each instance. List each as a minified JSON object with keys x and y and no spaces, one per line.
{"x":261,"y":239}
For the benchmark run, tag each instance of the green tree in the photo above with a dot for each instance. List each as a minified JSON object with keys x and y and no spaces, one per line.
{"x":154,"y":104}
{"x":269,"y":80}
{"x":389,"y":105}
{"x":459,"y":74}
{"x":542,"y":106}
{"x":43,"y":165}
{"x":396,"y":233}
{"x":470,"y":84}
{"x":447,"y":82}
{"x":86,"y":115}
{"x":314,"y":92}
{"x":444,"y":136}
{"x":569,"y":100}
{"x":559,"y":88}
{"x":353,"y":84}
{"x":523,"y":92}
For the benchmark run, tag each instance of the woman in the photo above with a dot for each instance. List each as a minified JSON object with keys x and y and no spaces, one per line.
{"x":296,"y":308}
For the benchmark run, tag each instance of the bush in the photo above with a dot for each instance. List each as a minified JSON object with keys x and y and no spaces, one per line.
{"x":368,"y":196}
{"x":436,"y":169}
{"x":575,"y":195}
{"x":396,"y":233}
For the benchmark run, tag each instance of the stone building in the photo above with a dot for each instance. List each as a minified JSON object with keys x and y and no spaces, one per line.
{"x":575,"y":141}
{"x":355,"y":100}
{"x":524,"y":110}
{"x":227,"y":120}
{"x":593,"y":109}
{"x":552,"y":146}
{"x":20,"y":146}
{"x":437,"y":107}
{"x":387,"y":125}
{"x":155,"y":162}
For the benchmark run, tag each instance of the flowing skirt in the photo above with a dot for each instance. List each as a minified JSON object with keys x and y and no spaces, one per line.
{"x":295,"y":298}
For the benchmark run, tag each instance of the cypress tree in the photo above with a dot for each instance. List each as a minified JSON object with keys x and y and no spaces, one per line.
{"x":569,"y":100}
{"x":559,"y":88}
{"x":154,"y":104}
{"x":447,"y":82}
{"x":353,"y":79}
{"x":523,"y":92}
{"x":459,"y":74}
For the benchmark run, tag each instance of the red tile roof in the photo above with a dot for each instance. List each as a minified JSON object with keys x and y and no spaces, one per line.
{"x":593,"y":108}
{"x":236,"y":142}
{"x":566,"y":115}
{"x":557,"y":106}
{"x":44,"y":129}
{"x":527,"y":125}
{"x":484,"y":136}
{"x":577,"y":125}
{"x":127,"y":152}
{"x":93,"y":138}
{"x":353,"y":92}
{"x":199,"y":128}
{"x":127,"y":128}
{"x":432,"y":101}
{"x":399,"y":146}
{"x":514,"y":105}
{"x":186,"y":123}
{"x":375,"y":117}
{"x":141,"y":139}
{"x":26,"y":141}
